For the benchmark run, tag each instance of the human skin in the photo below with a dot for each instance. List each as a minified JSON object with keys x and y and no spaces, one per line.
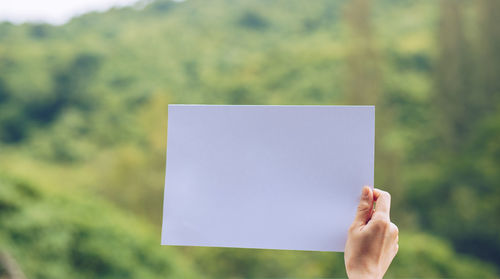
{"x":372,"y":240}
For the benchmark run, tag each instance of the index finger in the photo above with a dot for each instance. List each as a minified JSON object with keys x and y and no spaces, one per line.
{"x":383,"y":205}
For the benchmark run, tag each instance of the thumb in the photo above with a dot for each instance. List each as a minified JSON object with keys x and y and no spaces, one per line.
{"x":365,"y":206}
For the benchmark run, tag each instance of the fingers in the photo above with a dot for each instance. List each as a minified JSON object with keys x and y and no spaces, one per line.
{"x":383,"y":205}
{"x":394,"y":235}
{"x":394,"y":231}
{"x":365,"y":206}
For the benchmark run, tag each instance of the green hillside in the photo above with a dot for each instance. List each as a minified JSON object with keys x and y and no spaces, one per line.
{"x":83,"y":119}
{"x":62,"y":236}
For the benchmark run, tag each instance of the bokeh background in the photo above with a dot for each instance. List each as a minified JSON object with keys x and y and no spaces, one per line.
{"x":83,"y":115}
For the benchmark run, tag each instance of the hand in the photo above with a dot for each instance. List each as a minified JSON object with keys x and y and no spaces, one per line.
{"x":372,"y":241}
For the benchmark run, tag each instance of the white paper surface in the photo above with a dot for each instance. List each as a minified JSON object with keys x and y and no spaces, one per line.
{"x":275,"y":177}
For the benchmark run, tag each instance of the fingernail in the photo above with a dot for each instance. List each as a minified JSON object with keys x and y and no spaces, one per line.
{"x":366,"y":191}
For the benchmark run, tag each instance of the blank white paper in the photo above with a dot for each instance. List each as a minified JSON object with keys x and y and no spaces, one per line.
{"x":273,"y":177}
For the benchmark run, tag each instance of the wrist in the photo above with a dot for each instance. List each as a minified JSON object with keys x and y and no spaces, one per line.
{"x":360,"y":273}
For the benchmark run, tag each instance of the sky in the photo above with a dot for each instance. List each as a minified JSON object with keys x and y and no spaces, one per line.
{"x":52,"y":11}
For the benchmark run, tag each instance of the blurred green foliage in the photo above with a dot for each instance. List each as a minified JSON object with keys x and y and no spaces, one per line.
{"x":62,"y":236}
{"x":83,"y":126}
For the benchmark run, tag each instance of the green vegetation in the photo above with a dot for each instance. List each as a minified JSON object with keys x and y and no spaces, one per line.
{"x":83,"y":118}
{"x":58,"y":236}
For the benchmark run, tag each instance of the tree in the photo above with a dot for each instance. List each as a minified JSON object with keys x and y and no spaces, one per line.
{"x":461,"y":193}
{"x":488,"y":52}
{"x":363,"y":73}
{"x":453,"y":96}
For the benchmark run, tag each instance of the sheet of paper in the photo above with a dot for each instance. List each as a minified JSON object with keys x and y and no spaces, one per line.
{"x":274,"y":177}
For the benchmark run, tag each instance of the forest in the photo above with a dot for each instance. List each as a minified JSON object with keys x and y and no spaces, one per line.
{"x":83,"y":117}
